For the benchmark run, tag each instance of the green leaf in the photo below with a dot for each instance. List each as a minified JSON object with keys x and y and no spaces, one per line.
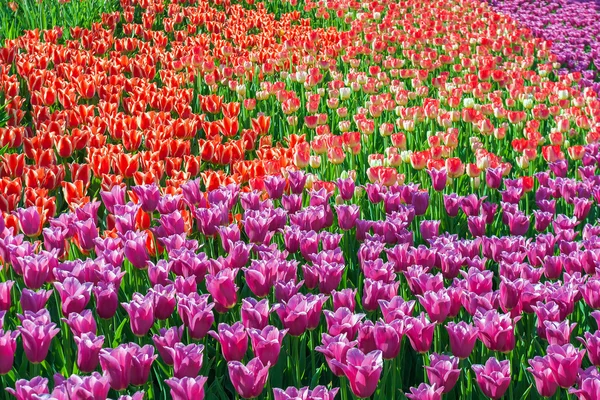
{"x":118,"y":333}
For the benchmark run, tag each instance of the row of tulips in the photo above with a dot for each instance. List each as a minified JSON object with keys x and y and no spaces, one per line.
{"x":239,"y":199}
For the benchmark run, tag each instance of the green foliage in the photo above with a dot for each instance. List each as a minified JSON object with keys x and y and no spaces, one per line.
{"x":19,"y":16}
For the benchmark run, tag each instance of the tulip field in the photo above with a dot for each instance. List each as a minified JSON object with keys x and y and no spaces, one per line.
{"x":296,"y":200}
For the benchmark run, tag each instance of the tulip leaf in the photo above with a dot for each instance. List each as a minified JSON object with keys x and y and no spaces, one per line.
{"x":118,"y":333}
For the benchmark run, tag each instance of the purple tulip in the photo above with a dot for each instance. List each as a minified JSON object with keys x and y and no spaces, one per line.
{"x":248,"y":380}
{"x":117,"y":364}
{"x":81,"y":323}
{"x":148,"y":196}
{"x":493,"y":378}
{"x":388,"y":338}
{"x":592,"y":345}
{"x":545,"y":382}
{"x":34,"y":301}
{"x":73,"y":294}
{"x":255,"y":314}
{"x":425,"y":392}
{"x":443,"y":371}
{"x":141,"y":313}
{"x":318,"y":393}
{"x":37,"y":337}
{"x":343,"y":321}
{"x":164,"y":301}
{"x":167,"y":338}
{"x":496,"y":331}
{"x":266,"y":343}
{"x":196,"y":314}
{"x":362,"y":370}
{"x":439,"y":177}
{"x":187,"y":388}
{"x":8,"y":346}
{"x":462,"y":338}
{"x":107,"y":301}
{"x":88,"y":351}
{"x":233,"y":340}
{"x":25,"y":390}
{"x":335,"y":348}
{"x":5,"y":297}
{"x":223,"y":289}
{"x":187,"y":360}
{"x":564,"y":361}
{"x":419,"y":331}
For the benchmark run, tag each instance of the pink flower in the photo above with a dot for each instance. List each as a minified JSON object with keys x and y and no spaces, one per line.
{"x":187,"y":388}
{"x":233,"y":340}
{"x":362,"y":370}
{"x":493,"y":378}
{"x":248,"y":380}
{"x":266,"y":343}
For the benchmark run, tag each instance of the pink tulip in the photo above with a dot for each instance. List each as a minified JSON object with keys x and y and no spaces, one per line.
{"x":419,"y":331}
{"x":248,"y":380}
{"x":255,"y":314}
{"x":116,"y":364}
{"x":141,"y":313}
{"x":335,"y":348}
{"x":426,"y":392}
{"x":266,"y":343}
{"x":167,"y":338}
{"x":362,"y":370}
{"x":564,"y":361}
{"x":233,"y":340}
{"x":343,"y":321}
{"x":223,"y":289}
{"x":443,"y":371}
{"x":545,"y":382}
{"x":463,"y":337}
{"x":187,"y":388}
{"x":26,"y":390}
{"x":493,"y":378}
{"x":88,"y":351}
{"x":74,"y":295}
{"x":187,"y":360}
{"x":8,"y":346}
{"x":37,"y":337}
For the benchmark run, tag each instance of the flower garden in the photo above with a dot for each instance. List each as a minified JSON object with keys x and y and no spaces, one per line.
{"x":229,"y":199}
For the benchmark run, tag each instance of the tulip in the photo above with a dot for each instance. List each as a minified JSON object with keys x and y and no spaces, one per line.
{"x":294,"y":314}
{"x":5,"y":297}
{"x":559,"y":333}
{"x":80,"y":323}
{"x":88,"y":351}
{"x":37,"y":337}
{"x":233,"y":340}
{"x":592,"y":345}
{"x":420,"y":332}
{"x":134,"y":248}
{"x":8,"y":346}
{"x":493,"y":378}
{"x":426,"y":392}
{"x":248,"y":380}
{"x":73,"y":294}
{"x":437,"y":304}
{"x":25,"y":390}
{"x":141,"y":363}
{"x":443,"y":371}
{"x":564,"y":361}
{"x":148,"y":196}
{"x":292,"y":393}
{"x":589,"y":388}
{"x":141,"y":313}
{"x":388,"y":338}
{"x":543,"y":376}
{"x":107,"y":300}
{"x":335,"y":348}
{"x":223,"y":289}
{"x":439,"y":177}
{"x":34,"y":301}
{"x":188,"y":388}
{"x":30,"y":220}
{"x":375,"y":290}
{"x":496,"y":331}
{"x":116,"y":364}
{"x":167,"y":338}
{"x":266,"y":343}
{"x":343,"y":321}
{"x":196,"y":314}
{"x":164,"y":301}
{"x":463,"y":337}
{"x":36,"y":269}
{"x":255,"y":314}
{"x":362,"y":370}
{"x":187,"y":360}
